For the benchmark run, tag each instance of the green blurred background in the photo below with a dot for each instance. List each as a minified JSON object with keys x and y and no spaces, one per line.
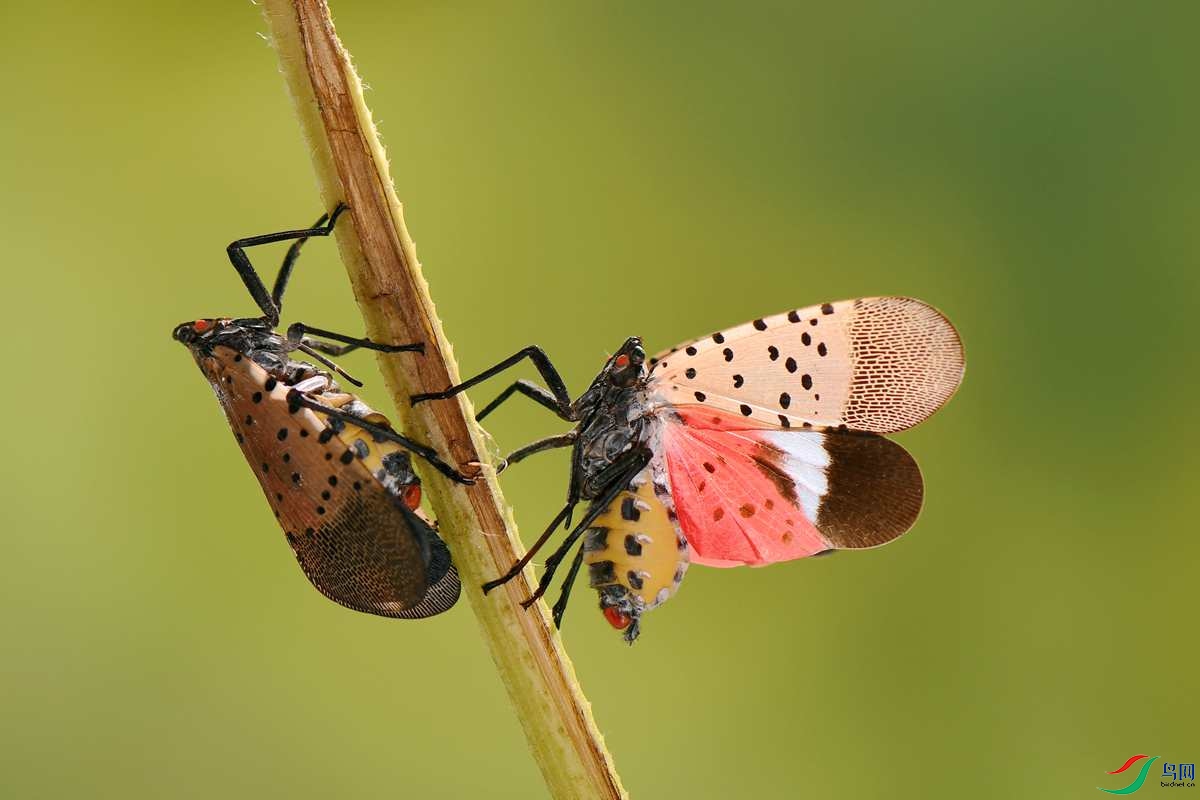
{"x":575,"y":174}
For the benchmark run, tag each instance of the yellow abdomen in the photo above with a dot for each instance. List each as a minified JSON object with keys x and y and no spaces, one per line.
{"x":636,"y":545}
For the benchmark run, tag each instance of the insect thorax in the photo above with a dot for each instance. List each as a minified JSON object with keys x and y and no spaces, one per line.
{"x":615,"y":423}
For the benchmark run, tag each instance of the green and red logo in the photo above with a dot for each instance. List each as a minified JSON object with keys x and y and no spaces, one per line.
{"x":1179,"y":775}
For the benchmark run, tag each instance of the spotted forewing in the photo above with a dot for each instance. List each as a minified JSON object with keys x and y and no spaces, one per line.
{"x":876,"y":364}
{"x":347,"y":503}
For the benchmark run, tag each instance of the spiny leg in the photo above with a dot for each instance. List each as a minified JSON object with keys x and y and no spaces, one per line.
{"x":314,"y":348}
{"x":602,"y":480}
{"x":289,"y":261}
{"x":329,"y":348}
{"x":560,"y":605}
{"x":516,"y":568}
{"x":549,"y":443}
{"x":428,"y":453}
{"x":303,"y":348}
{"x":529,"y":389}
{"x":237,"y":256}
{"x":551,"y":565}
{"x":635,"y":461}
{"x":575,"y":484}
{"x":558,"y":389}
{"x":298,"y":331}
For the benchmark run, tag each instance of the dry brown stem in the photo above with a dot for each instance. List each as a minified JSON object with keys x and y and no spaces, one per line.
{"x":394,"y":299}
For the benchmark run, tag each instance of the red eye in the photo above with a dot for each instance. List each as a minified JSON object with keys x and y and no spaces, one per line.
{"x":412,"y":495}
{"x":617,"y":618}
{"x":622,"y":361}
{"x":201,"y":325}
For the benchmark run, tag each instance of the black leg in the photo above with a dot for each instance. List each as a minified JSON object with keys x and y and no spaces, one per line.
{"x":614,"y":471}
{"x":329,"y":348}
{"x":289,"y":261}
{"x":421,"y":450}
{"x":560,"y":605}
{"x":303,"y":348}
{"x":527,"y":388}
{"x":516,"y":568}
{"x":298,"y":330}
{"x":575,"y":485}
{"x":635,"y":461}
{"x":549,"y":443}
{"x":562,"y":399}
{"x":254,"y":284}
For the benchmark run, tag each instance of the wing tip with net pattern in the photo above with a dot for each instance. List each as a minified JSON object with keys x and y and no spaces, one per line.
{"x":909,"y":362}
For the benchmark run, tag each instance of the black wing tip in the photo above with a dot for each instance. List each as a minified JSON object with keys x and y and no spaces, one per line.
{"x":875,"y":492}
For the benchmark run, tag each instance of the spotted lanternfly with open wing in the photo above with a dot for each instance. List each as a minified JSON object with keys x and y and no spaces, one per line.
{"x":337,"y":476}
{"x":754,"y":445}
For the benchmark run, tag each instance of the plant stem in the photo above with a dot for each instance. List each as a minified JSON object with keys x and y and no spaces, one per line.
{"x":393,"y":297}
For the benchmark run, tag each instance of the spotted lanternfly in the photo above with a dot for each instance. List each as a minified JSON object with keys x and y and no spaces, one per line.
{"x":754,"y":445}
{"x":337,"y":476}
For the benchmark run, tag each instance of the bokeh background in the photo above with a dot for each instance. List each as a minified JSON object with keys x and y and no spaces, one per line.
{"x":574,"y":174}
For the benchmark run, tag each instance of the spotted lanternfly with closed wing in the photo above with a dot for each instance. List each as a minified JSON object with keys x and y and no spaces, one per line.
{"x":337,"y":476}
{"x":757,"y":444}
